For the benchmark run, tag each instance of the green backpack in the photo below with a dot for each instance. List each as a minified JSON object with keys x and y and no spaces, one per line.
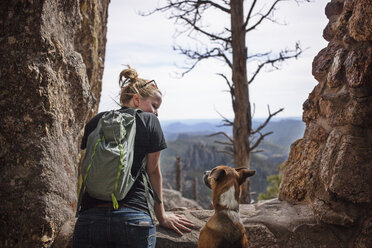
{"x":106,"y":167}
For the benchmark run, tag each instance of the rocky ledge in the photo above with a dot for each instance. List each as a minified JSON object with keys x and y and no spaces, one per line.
{"x":271,"y":223}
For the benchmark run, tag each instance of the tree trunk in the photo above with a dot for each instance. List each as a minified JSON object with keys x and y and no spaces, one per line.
{"x":241,"y":105}
{"x":178,"y":174}
{"x":195,"y":189}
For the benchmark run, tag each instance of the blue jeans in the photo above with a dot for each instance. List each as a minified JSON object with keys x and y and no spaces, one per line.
{"x":105,"y":227}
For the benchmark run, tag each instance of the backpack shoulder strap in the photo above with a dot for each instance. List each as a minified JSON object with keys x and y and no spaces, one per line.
{"x":147,"y":184}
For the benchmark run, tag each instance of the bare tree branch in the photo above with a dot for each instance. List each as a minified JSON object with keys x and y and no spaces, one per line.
{"x":227,"y":152}
{"x":210,"y":35}
{"x":197,"y":56}
{"x":249,"y":14}
{"x":258,"y":141}
{"x":259,"y":128}
{"x":275,"y":21}
{"x":259,"y":55}
{"x":253,"y":110}
{"x":184,"y":7}
{"x":222,"y":133}
{"x":223,"y":143}
{"x":189,"y":12}
{"x":232,"y":92}
{"x":283,"y":55}
{"x":220,"y":7}
{"x":225,"y":120}
{"x":231,"y":86}
{"x":263,"y":16}
{"x":257,"y":151}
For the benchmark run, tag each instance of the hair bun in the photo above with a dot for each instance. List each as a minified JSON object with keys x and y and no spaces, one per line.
{"x":129,"y":75}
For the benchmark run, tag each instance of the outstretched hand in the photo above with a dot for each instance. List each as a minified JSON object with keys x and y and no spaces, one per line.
{"x":177,"y":223}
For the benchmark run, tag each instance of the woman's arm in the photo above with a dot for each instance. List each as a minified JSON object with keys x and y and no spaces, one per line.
{"x":171,"y":221}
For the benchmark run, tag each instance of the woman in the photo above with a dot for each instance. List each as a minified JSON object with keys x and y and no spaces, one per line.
{"x":99,"y":225}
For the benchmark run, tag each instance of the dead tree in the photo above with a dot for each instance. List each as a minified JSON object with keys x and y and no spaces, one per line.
{"x":229,"y":45}
{"x":195,"y":189}
{"x":178,"y":174}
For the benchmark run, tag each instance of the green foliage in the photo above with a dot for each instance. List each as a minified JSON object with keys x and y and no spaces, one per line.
{"x":273,"y":188}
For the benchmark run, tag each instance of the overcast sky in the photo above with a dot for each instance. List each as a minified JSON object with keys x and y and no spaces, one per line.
{"x":146,"y":43}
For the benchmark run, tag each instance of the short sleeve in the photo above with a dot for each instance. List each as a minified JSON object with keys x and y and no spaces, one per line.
{"x":156,"y":136}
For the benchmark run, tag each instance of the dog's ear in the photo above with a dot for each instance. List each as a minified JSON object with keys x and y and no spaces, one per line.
{"x":218,"y":174}
{"x":244,"y":173}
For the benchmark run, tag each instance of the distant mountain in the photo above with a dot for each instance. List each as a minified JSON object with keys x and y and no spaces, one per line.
{"x":285,"y":130}
{"x":172,"y":130}
{"x":199,"y":152}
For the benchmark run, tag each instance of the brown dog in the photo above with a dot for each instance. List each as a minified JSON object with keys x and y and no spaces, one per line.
{"x":224,"y":228}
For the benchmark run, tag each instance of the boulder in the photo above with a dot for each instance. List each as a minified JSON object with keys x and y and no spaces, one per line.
{"x":173,"y":200}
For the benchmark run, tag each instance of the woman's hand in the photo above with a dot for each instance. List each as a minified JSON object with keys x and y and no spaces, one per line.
{"x":176,"y":222}
{"x":168,"y":220}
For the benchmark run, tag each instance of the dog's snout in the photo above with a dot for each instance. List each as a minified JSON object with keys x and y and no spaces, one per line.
{"x":206,"y":175}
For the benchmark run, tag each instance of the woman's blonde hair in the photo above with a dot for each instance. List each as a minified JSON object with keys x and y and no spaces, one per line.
{"x":131,"y":84}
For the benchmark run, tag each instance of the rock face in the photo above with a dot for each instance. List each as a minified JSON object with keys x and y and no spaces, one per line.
{"x":51,"y":56}
{"x":330,"y":168}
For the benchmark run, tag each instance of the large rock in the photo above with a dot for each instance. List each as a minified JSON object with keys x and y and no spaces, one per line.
{"x":173,"y":200}
{"x":51,"y":56}
{"x":271,"y":223}
{"x":330,"y":168}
